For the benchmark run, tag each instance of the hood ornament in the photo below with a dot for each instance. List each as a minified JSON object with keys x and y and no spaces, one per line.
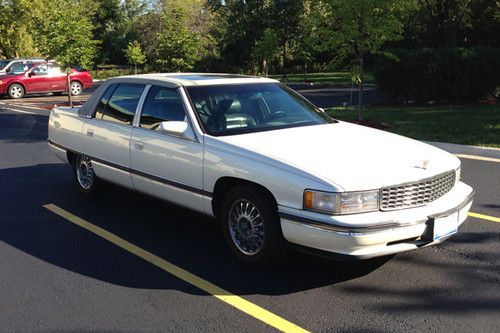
{"x":424,"y":165}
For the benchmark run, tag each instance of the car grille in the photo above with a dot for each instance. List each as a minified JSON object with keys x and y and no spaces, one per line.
{"x":416,"y":194}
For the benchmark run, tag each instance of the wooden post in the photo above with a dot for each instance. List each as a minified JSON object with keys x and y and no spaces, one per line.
{"x":68,"y":82}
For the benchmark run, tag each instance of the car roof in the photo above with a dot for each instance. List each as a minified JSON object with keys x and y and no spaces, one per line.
{"x":197,"y":79}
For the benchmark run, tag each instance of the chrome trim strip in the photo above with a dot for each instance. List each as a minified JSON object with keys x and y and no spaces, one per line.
{"x":140,"y":104}
{"x":140,"y":173}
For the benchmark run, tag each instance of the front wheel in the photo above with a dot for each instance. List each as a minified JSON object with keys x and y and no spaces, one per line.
{"x":16,"y":91}
{"x":76,"y":88}
{"x":85,"y":177}
{"x":251,"y":226}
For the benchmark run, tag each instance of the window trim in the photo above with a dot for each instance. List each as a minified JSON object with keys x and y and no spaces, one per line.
{"x":138,"y":113}
{"x":106,"y":106}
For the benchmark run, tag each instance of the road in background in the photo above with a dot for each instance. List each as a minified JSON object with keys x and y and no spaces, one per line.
{"x":57,"y":276}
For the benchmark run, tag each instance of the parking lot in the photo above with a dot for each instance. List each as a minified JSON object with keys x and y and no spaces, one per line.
{"x":128,"y":262}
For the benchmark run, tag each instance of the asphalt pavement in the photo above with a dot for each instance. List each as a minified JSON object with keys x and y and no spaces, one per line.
{"x":55,"y":275}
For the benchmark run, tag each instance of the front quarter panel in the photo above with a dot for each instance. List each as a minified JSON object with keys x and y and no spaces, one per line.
{"x":285,"y":183}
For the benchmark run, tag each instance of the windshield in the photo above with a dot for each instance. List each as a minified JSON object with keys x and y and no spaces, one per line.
{"x":247,"y":108}
{"x":3,"y":63}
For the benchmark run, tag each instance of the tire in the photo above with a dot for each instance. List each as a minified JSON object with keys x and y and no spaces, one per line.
{"x":76,"y":88}
{"x":251,"y":226}
{"x":16,"y":91}
{"x":85,"y":177}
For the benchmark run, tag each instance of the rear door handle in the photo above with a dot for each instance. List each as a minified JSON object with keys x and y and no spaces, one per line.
{"x":90,"y":132}
{"x":139,"y":145}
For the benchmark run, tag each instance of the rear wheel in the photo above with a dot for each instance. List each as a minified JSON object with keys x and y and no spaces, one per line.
{"x":85,"y":177}
{"x":251,"y":226}
{"x":16,"y":91}
{"x":76,"y":88}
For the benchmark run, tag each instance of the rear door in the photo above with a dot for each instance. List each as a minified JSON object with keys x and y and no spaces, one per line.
{"x":107,"y":134}
{"x":56,"y":78}
{"x":163,"y":165}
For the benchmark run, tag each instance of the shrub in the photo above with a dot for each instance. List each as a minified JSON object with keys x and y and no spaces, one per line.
{"x":452,"y":74}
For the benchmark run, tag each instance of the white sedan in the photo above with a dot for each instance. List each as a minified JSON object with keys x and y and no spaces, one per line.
{"x":274,"y":169}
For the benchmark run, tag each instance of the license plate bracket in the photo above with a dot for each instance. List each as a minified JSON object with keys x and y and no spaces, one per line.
{"x":441,"y":227}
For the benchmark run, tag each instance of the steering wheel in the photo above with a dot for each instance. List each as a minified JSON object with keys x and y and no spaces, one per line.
{"x":276,"y":115}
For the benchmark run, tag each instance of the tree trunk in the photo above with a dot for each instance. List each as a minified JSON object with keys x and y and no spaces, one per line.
{"x":283,"y":69}
{"x":305,"y":70}
{"x":135,"y":69}
{"x":68,"y":82}
{"x":361,"y":86}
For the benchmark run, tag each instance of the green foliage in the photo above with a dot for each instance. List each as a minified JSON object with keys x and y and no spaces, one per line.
{"x":134,"y":54}
{"x":63,"y":30}
{"x":453,"y":74}
{"x":179,"y":46}
{"x":15,"y":37}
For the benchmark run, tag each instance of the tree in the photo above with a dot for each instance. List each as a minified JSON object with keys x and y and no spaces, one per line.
{"x":286,"y":19}
{"x":134,"y":54}
{"x":183,"y":37}
{"x":15,"y":37}
{"x":267,"y":49}
{"x":63,"y":30}
{"x":362,"y":27}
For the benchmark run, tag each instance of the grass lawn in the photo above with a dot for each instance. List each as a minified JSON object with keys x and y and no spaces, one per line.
{"x":471,"y":125}
{"x":334,"y":77}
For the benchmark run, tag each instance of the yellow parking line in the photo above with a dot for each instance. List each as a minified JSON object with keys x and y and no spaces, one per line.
{"x":210,"y":288}
{"x":484,"y":217}
{"x":479,"y":158}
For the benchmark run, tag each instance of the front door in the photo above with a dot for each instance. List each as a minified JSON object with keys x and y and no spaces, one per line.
{"x":163,"y":165}
{"x":37,"y":80}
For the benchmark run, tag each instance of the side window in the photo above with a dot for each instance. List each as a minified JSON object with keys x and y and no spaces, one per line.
{"x":55,"y":70}
{"x":104,"y":101}
{"x":162,"y":104}
{"x":18,"y":68}
{"x":40,"y":70}
{"x":122,"y":104}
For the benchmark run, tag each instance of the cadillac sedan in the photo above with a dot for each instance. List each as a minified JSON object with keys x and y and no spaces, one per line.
{"x":275,"y":170}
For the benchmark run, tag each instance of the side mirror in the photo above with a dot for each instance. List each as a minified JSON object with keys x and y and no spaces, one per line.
{"x":29,"y":73}
{"x":322,"y":110}
{"x":179,"y":129}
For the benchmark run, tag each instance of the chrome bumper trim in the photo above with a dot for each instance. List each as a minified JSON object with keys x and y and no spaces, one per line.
{"x":321,"y":225}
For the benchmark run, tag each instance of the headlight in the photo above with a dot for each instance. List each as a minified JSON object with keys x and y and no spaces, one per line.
{"x":457,"y":175}
{"x":1,"y":82}
{"x":341,"y":203}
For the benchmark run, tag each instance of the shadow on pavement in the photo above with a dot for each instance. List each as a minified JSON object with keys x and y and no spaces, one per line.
{"x":187,"y":239}
{"x":21,"y":128}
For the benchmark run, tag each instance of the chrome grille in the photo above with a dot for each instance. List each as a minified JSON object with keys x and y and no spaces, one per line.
{"x":416,"y":194}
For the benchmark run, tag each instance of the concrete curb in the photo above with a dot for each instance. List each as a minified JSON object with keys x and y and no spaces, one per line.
{"x":466,"y":149}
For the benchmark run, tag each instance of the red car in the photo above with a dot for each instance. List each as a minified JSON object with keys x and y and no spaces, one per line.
{"x":43,"y":78}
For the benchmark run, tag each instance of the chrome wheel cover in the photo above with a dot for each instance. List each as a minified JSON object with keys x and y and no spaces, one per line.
{"x":16,"y":91}
{"x":84,"y":172}
{"x":76,"y":88}
{"x":246,"y":226}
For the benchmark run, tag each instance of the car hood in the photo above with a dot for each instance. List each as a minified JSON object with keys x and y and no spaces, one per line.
{"x":349,"y":156}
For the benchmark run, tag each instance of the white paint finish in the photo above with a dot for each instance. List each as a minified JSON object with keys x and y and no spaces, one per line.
{"x":356,"y":158}
{"x":110,"y":142}
{"x":335,"y":157}
{"x":169,"y":158}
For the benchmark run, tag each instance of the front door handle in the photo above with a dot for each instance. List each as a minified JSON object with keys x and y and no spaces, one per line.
{"x":139,"y":145}
{"x":90,"y":132}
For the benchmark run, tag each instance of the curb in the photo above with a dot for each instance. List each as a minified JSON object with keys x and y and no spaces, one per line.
{"x":466,"y":149}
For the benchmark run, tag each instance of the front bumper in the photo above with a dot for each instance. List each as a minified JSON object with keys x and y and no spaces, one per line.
{"x":368,"y":235}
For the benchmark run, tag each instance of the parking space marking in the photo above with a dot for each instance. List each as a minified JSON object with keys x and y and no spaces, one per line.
{"x":484,"y":217}
{"x":238,"y":302}
{"x":479,"y":158}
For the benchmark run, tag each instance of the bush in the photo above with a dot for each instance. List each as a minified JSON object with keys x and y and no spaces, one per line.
{"x":451,"y":74}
